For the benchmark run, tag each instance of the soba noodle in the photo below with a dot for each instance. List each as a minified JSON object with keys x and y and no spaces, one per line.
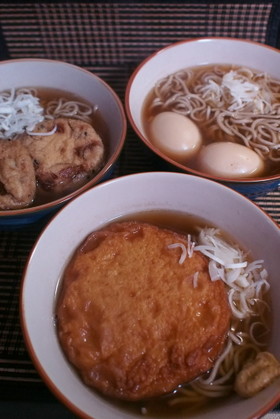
{"x":230,"y":103}
{"x":64,"y":107}
{"x":247,"y":288}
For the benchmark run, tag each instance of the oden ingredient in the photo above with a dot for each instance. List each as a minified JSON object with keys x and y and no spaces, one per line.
{"x":257,"y":375}
{"x":67,"y":155}
{"x":175,"y":135}
{"x":230,"y":160}
{"x":17,"y":175}
{"x":137,"y":316}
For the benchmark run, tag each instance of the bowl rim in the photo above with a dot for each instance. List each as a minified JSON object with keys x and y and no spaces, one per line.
{"x":109,"y":163}
{"x":24,"y":327}
{"x":178,"y":165}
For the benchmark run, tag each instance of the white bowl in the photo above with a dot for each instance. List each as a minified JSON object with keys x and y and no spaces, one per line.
{"x":43,"y":73}
{"x":191,"y":53}
{"x":221,"y":206}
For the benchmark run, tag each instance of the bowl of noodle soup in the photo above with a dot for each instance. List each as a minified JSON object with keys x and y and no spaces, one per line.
{"x":210,"y":107}
{"x":244,"y":257}
{"x":63,"y":127}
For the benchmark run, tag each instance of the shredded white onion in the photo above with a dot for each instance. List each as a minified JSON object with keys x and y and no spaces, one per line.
{"x":215,"y":272}
{"x":236,"y":265}
{"x":195,"y":279}
{"x":207,"y":251}
{"x":19,"y":111}
{"x":242,"y":91}
{"x":227,"y":262}
{"x":183,"y":248}
{"x":191,"y":245}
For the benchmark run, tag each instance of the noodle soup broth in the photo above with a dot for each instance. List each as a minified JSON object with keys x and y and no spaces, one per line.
{"x":227,"y":103}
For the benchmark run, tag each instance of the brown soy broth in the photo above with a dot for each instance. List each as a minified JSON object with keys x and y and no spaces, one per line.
{"x":173,"y":220}
{"x":46,"y":95}
{"x":177,"y":221}
{"x":208,"y":135}
{"x":160,"y":407}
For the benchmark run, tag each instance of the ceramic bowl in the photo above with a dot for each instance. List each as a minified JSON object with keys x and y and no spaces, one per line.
{"x":244,"y":221}
{"x":60,"y":75}
{"x":190,"y":53}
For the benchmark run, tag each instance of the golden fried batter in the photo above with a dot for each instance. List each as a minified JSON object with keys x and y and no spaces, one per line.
{"x":134,"y":321}
{"x":17,"y":175}
{"x":74,"y":151}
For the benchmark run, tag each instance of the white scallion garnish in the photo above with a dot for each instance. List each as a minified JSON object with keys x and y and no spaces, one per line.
{"x":195,"y":279}
{"x":43,"y":134}
{"x":246,"y":280}
{"x":183,"y":248}
{"x":19,"y":111}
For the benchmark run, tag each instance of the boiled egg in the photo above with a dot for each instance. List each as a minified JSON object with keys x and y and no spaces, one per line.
{"x":230,"y":160}
{"x":175,"y":135}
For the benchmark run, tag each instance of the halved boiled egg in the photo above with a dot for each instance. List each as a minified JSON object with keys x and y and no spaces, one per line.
{"x":175,"y":135}
{"x":230,"y":160}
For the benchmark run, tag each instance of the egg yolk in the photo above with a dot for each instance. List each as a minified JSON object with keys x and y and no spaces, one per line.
{"x":230,"y":160}
{"x":175,"y":135}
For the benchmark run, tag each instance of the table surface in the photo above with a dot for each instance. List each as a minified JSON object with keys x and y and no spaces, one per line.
{"x":54,"y":30}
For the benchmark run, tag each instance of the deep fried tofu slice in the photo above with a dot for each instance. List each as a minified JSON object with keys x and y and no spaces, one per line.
{"x":17,"y":176}
{"x":134,"y":321}
{"x":73,"y":152}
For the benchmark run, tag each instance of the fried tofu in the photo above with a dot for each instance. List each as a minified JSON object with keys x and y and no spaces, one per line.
{"x":134,"y":318}
{"x":70,"y":154}
{"x":17,"y":176}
